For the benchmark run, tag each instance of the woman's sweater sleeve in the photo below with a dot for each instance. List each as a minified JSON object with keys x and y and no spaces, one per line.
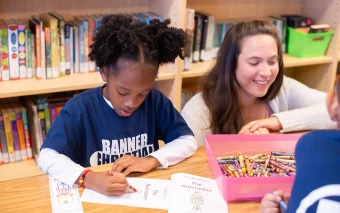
{"x":302,"y":108}
{"x":196,"y":114}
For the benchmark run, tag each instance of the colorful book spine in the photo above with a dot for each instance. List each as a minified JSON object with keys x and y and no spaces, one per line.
{"x":86,"y":45}
{"x":98,"y":21}
{"x":47,"y":119}
{"x":41,"y":116}
{"x":48,"y":53}
{"x":58,"y":109}
{"x":15,"y":136}
{"x":53,"y":114}
{"x":61,"y":42}
{"x":26,"y":133}
{"x":71,"y":49}
{"x":92,"y":30}
{"x":4,"y":52}
{"x":8,"y":131}
{"x":29,"y":53}
{"x":21,"y":133}
{"x":82,"y":63}
{"x":34,"y":73}
{"x":3,"y":144}
{"x":76,"y":50}
{"x":22,"y":50}
{"x":67,"y":49}
{"x":35,"y":29}
{"x":43,"y":54}
{"x":13,"y":51}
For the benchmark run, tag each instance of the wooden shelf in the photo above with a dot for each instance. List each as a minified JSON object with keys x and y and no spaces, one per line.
{"x":291,"y":61}
{"x":11,"y":171}
{"x":77,"y":81}
{"x":198,"y":69}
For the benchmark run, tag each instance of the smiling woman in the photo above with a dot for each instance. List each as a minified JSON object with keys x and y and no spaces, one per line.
{"x":246,"y":91}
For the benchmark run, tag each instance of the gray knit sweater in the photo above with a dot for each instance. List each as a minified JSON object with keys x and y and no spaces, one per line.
{"x":297,"y":107}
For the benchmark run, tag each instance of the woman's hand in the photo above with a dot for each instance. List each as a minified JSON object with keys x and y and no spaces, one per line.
{"x":270,"y":202}
{"x":259,"y":126}
{"x":134,"y":164}
{"x":106,"y":184}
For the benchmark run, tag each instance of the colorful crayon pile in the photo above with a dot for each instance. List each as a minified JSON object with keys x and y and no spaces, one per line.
{"x":258,"y":165}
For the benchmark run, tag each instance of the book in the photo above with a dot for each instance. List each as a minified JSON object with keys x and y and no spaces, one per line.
{"x":8,"y":132}
{"x":3,"y":144}
{"x":190,"y":25}
{"x":51,"y":23}
{"x":35,"y":27}
{"x":20,"y":129}
{"x":4,"y":51}
{"x":29,"y":54}
{"x":22,"y":48}
{"x":61,"y":42}
{"x":12,"y":33}
{"x":183,"y":193}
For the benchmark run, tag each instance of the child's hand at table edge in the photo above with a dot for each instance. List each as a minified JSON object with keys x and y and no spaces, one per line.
{"x":106,"y":184}
{"x":134,"y":164}
{"x":270,"y":202}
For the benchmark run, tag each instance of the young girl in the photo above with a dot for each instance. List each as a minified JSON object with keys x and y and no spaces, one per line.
{"x":247,"y":93}
{"x":121,"y":121}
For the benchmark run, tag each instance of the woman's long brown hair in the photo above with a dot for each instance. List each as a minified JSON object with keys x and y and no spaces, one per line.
{"x":220,"y":87}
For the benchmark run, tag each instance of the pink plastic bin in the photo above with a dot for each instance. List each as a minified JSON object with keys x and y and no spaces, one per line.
{"x":249,"y":188}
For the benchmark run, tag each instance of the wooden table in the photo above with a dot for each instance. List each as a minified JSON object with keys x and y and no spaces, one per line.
{"x":32,"y":194}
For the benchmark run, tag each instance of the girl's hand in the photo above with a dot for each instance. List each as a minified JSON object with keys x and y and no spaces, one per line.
{"x":271,"y":123}
{"x":106,"y":184}
{"x":270,"y":202}
{"x":134,"y":164}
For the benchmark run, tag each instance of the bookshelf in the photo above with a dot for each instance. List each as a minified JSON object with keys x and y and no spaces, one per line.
{"x":316,"y":72}
{"x":168,"y":80}
{"x":77,"y":81}
{"x":199,"y":69}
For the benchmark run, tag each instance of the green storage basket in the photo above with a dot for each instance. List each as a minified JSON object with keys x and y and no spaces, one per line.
{"x":307,"y":45}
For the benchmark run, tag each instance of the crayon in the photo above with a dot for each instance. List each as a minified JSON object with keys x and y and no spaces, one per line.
{"x":249,"y":170}
{"x":286,"y":157}
{"x":241,"y":161}
{"x":232,"y":169}
{"x":283,"y":205}
{"x":283,"y":153}
{"x":225,"y":173}
{"x":283,"y":160}
{"x":238,"y":169}
{"x":228,"y":171}
{"x":226,"y":158}
{"x":226,"y":161}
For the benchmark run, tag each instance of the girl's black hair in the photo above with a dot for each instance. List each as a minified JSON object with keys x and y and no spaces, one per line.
{"x":120,"y":36}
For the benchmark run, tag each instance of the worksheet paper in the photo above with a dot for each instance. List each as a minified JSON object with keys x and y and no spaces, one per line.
{"x":184,"y":193}
{"x":64,"y":199}
{"x":152,"y":193}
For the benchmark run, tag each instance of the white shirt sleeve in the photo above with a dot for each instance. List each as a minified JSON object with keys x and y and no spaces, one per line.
{"x":59,"y":166}
{"x":175,"y":151}
{"x":302,"y":108}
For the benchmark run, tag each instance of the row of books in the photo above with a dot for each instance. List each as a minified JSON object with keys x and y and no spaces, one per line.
{"x":25,"y":122}
{"x":206,"y":35}
{"x":47,"y":46}
{"x":15,"y":141}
